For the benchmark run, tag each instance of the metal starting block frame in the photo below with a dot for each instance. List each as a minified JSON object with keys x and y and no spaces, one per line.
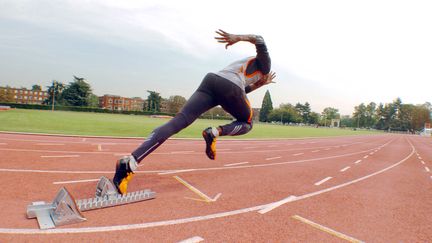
{"x":66,"y":210}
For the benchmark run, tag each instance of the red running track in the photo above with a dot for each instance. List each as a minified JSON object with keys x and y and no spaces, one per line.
{"x":358,"y":188}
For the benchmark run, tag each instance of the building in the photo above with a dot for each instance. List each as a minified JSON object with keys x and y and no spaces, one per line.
{"x":118,"y":103}
{"x":25,"y":96}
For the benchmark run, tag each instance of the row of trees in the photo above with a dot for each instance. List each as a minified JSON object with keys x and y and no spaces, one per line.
{"x":394,"y":116}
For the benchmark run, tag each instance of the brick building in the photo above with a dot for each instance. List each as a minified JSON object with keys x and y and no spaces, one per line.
{"x":25,"y":96}
{"x":118,"y":103}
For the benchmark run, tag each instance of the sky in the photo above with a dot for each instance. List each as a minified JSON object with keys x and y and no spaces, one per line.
{"x":327,"y":53}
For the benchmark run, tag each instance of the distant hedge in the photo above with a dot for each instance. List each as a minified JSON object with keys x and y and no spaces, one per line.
{"x":94,"y":109}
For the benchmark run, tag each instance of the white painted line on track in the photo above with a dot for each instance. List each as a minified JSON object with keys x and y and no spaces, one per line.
{"x":427,"y":169}
{"x":250,"y":147}
{"x":181,"y":152}
{"x":60,"y":156}
{"x":326,"y":229}
{"x":298,"y":154}
{"x":366,"y":156}
{"x":99,"y":147}
{"x":323,"y":180}
{"x":420,"y":157}
{"x":422,"y":162}
{"x":274,"y":205}
{"x":345,"y":169}
{"x":190,"y":219}
{"x":327,"y":149}
{"x":358,"y":161}
{"x":122,"y":154}
{"x":71,"y":182}
{"x":240,"y":163}
{"x":194,"y":239}
{"x":272,"y":158}
{"x":315,"y":151}
{"x":3,"y":143}
{"x":174,"y":171}
{"x":371,"y":153}
{"x":50,"y":144}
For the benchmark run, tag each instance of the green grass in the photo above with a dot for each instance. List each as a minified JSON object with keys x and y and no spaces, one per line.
{"x":83,"y":123}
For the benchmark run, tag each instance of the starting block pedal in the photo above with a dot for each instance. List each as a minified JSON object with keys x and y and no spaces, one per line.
{"x":66,"y":210}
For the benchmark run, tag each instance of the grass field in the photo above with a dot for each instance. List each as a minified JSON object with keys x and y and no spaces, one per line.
{"x":83,"y":123}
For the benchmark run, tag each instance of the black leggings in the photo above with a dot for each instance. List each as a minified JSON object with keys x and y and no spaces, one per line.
{"x":214,"y":90}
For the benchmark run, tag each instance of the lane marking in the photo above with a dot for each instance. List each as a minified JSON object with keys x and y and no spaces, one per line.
{"x":60,"y":156}
{"x":198,"y":192}
{"x":174,"y":171}
{"x":190,"y":219}
{"x":50,"y":144}
{"x":327,"y":149}
{"x":422,"y":162}
{"x":323,"y":180}
{"x":241,"y":163}
{"x":99,"y":147}
{"x":371,"y":153}
{"x":345,"y":169}
{"x":366,"y":156}
{"x":272,"y":158}
{"x":315,"y":151}
{"x":298,"y":154}
{"x":161,"y":171}
{"x":358,"y":161}
{"x":274,"y":205}
{"x":250,"y":147}
{"x":194,"y":239}
{"x":420,"y":157}
{"x":427,"y":169}
{"x":181,"y":152}
{"x":77,"y":181}
{"x":326,"y":229}
{"x":3,"y":143}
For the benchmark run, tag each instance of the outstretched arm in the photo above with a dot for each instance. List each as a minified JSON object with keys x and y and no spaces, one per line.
{"x":266,"y":79}
{"x":231,"y":39}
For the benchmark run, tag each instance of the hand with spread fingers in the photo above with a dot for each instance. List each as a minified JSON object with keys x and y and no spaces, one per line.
{"x":226,"y":37}
{"x":268,"y":78}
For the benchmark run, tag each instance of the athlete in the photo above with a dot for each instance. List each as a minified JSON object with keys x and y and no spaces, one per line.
{"x":227,"y":88}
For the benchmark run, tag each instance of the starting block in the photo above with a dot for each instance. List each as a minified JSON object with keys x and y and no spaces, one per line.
{"x":66,"y":210}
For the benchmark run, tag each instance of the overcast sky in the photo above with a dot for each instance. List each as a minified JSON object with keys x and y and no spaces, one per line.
{"x":328,"y":53}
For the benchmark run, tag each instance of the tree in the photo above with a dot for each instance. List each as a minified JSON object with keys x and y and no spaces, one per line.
{"x":359,"y":115}
{"x":153,"y":101}
{"x":313,"y":118}
{"x":36,"y":87}
{"x":266,"y":107}
{"x":54,"y":93}
{"x":328,"y":114}
{"x":304,"y":111}
{"x":93,"y":100}
{"x":175,"y":103}
{"x":77,"y":93}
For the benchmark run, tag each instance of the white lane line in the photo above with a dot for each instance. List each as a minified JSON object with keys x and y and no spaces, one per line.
{"x":3,"y":143}
{"x":99,"y":147}
{"x":326,"y":229}
{"x":315,"y":151}
{"x":366,"y":156}
{"x":121,"y":154}
{"x":298,"y":154}
{"x":322,"y":181}
{"x":241,"y":163}
{"x":431,"y":177}
{"x":190,"y":219}
{"x":274,"y":205}
{"x":345,"y":169}
{"x":60,"y":156}
{"x":175,"y":171}
{"x":422,"y":162}
{"x":77,"y":181}
{"x":420,"y":157}
{"x":250,"y":147}
{"x":194,"y":239}
{"x":427,"y":169}
{"x":181,"y":152}
{"x":272,"y":158}
{"x":198,"y":192}
{"x":50,"y":144}
{"x":371,"y":153}
{"x":327,"y":149}
{"x":358,"y":161}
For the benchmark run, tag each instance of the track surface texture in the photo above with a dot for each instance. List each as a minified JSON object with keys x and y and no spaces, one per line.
{"x":375,"y":188}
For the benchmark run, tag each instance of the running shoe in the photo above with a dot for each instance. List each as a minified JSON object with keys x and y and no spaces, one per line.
{"x":123,"y":174}
{"x":210,"y":140}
